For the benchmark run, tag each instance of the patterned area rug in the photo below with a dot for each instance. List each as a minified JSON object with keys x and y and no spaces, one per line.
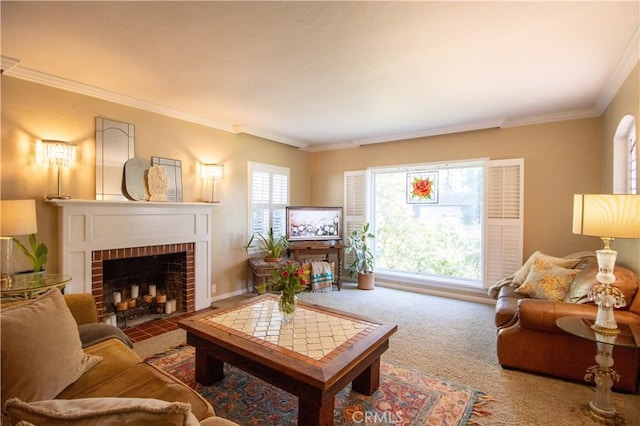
{"x":405,"y":397}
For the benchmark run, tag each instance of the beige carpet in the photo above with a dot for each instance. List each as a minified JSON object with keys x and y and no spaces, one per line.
{"x":456,"y":340}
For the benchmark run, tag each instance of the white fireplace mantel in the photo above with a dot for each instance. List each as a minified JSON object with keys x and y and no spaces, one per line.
{"x":85,"y":226}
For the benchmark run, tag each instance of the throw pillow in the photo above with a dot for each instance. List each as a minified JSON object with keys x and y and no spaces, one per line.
{"x":522,"y":273}
{"x":41,"y":349}
{"x":547,"y":281}
{"x":98,"y":411}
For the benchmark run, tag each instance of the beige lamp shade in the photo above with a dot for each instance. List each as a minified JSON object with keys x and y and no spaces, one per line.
{"x":607,"y":215}
{"x":18,"y":217}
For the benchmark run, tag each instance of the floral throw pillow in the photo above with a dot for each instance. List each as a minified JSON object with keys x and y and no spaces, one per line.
{"x":547,"y":281}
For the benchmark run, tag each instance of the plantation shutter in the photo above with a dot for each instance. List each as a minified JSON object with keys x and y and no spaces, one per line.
{"x":504,"y":207}
{"x":268,"y":198}
{"x":355,"y":206}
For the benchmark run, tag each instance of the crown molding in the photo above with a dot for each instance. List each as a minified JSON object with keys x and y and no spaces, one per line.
{"x":15,"y":70}
{"x":481,"y":125}
{"x":331,"y":147}
{"x":628,"y":60}
{"x":240,"y":128}
{"x":551,"y":118}
{"x":7,"y":63}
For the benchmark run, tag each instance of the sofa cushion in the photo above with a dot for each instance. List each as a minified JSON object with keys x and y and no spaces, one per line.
{"x":117,"y":357}
{"x":547,"y":281}
{"x":41,"y":349}
{"x":626,"y":281}
{"x":92,"y":411}
{"x":140,"y":380}
{"x":521,"y":274}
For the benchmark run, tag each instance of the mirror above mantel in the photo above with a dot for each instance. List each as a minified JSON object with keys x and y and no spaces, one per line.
{"x":115,"y":143}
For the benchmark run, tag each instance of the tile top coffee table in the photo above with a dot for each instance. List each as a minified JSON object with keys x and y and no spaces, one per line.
{"x":314,"y":357}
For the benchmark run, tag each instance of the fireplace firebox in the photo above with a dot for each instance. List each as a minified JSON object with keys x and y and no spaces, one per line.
{"x":139,"y":284}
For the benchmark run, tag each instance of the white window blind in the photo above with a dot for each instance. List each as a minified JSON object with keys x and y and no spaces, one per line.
{"x":268,"y":198}
{"x":355,"y":205}
{"x":503,"y":218}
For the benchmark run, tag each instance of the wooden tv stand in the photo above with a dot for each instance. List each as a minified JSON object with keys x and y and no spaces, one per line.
{"x":310,"y":248}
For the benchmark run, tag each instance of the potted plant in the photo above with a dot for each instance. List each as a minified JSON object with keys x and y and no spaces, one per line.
{"x":362,"y":265}
{"x":38,"y":254}
{"x":273,"y":247}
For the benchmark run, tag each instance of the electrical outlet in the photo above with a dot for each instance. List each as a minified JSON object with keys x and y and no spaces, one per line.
{"x":213,"y":288}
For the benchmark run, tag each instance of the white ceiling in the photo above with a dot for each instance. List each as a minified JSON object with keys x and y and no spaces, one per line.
{"x":324,"y":75}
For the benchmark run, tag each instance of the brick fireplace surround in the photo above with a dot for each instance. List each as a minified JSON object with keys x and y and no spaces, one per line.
{"x":188,"y":278}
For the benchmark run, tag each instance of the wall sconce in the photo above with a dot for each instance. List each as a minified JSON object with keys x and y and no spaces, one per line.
{"x":18,"y":217}
{"x":606,"y":216}
{"x":212,"y":172}
{"x":60,"y":155}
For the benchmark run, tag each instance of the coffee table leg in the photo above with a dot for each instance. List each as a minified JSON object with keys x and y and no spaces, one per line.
{"x":208,"y":369}
{"x":369,"y":380}
{"x":310,"y":413}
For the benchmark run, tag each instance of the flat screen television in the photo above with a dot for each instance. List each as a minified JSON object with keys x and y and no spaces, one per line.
{"x":314,"y":223}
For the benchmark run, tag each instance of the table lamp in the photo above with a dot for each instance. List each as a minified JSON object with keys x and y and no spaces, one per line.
{"x":607,"y":216}
{"x":17,"y":217}
{"x":214,"y":173}
{"x":58,"y":154}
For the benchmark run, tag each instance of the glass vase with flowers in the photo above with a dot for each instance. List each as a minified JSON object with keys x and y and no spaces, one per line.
{"x":289,"y":281}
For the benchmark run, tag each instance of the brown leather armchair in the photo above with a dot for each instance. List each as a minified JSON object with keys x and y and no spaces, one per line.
{"x":530,"y":340}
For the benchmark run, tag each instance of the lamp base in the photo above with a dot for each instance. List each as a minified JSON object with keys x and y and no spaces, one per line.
{"x":58,"y":197}
{"x":604,"y":330}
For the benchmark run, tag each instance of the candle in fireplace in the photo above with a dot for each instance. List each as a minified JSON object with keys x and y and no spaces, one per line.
{"x":117,"y":297}
{"x":152,"y":290}
{"x":135,"y":291}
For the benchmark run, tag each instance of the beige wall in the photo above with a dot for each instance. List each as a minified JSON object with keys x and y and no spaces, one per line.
{"x":31,"y":112}
{"x":626,"y":101}
{"x":560,"y":159}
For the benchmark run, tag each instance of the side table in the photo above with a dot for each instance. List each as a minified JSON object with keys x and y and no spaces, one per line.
{"x":28,"y":286}
{"x":314,"y":249}
{"x":261,"y":272}
{"x":602,"y":374}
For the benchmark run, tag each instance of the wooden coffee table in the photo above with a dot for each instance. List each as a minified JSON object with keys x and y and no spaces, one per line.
{"x":314,"y":357}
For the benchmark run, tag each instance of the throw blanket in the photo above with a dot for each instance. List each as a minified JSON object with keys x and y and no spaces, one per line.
{"x":321,"y":277}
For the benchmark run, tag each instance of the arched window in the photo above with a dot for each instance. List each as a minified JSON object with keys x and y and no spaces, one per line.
{"x":625,"y":157}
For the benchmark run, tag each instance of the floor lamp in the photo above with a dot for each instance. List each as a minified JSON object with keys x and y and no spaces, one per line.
{"x":607,"y":216}
{"x":18,"y":217}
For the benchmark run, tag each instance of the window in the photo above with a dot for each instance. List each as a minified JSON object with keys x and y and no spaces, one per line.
{"x":469,"y":231}
{"x":268,"y":198}
{"x":625,"y":157}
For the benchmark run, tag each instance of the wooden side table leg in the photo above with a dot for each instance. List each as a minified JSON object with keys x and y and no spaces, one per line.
{"x":369,"y":380}
{"x":208,"y":369}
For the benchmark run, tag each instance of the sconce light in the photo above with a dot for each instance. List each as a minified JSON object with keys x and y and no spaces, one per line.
{"x":213,"y":172}
{"x":18,"y":217}
{"x":60,"y":155}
